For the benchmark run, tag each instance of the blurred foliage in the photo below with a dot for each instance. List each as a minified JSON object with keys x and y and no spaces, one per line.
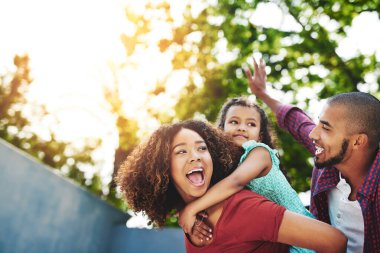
{"x":304,"y":57}
{"x":16,"y":127}
{"x":301,"y":59}
{"x":211,"y":44}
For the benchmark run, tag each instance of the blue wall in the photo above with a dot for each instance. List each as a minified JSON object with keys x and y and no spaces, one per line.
{"x":144,"y":240}
{"x":44,"y":212}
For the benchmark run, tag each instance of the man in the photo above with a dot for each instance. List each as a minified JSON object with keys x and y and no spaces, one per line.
{"x":345,"y":188}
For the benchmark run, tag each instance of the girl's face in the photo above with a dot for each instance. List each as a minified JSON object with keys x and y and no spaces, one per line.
{"x":190,"y":164}
{"x":242,"y":124}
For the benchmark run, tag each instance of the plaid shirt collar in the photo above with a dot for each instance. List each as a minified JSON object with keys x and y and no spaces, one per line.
{"x":329,"y":178}
{"x":367,"y":189}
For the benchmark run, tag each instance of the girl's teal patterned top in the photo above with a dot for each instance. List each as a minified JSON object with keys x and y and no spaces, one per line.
{"x":275,"y":187}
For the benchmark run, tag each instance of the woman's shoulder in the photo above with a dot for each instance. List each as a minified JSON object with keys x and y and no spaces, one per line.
{"x":246,"y":196}
{"x":249,"y":204}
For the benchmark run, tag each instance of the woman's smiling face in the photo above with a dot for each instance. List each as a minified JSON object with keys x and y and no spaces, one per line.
{"x":191,"y":164}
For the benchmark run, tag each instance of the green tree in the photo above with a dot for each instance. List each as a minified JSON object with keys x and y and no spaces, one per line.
{"x":213,"y":42}
{"x":303,"y":58}
{"x":15,"y":127}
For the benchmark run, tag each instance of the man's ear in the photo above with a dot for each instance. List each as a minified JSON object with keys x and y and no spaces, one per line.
{"x":360,"y":141}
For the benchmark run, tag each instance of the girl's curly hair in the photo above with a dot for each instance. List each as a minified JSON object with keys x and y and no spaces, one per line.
{"x":144,"y":177}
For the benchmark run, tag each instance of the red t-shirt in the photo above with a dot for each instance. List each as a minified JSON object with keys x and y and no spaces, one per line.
{"x":248,"y":223}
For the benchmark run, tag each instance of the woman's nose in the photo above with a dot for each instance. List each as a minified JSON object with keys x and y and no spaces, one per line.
{"x":194,"y":157}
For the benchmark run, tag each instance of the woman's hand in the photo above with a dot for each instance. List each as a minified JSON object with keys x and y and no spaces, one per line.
{"x":257,"y":82}
{"x":200,"y":229}
{"x":187,"y":219}
{"x":194,"y":226}
{"x":201,"y":233}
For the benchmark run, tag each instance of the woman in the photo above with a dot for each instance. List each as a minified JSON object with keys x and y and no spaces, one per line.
{"x":178,"y":164}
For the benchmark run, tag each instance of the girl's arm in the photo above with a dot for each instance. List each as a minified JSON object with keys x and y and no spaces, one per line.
{"x":305,"y":232}
{"x":257,"y":164}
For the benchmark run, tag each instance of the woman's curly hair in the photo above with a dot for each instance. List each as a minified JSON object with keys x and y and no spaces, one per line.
{"x":144,"y":177}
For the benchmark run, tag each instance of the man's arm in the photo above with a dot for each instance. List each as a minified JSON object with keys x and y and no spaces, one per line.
{"x":302,"y":231}
{"x":290,"y":118}
{"x":257,"y":84}
{"x":263,"y":220}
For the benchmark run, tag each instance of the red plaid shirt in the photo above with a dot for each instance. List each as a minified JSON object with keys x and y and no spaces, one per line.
{"x":300,"y":125}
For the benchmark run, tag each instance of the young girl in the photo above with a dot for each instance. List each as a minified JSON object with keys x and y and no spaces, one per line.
{"x":259,"y":168}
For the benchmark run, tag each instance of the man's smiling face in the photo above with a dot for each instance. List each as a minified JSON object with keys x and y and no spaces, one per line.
{"x":330,"y":137}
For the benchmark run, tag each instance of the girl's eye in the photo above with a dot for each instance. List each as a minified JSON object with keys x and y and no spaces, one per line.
{"x":233,"y":122}
{"x":325,"y":127}
{"x":251,"y":124}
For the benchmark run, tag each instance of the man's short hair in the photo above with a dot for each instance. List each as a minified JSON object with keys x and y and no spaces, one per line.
{"x":362,"y":113}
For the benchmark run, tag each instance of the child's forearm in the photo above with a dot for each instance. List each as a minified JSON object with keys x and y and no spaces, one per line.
{"x":219,"y":192}
{"x":257,"y":161}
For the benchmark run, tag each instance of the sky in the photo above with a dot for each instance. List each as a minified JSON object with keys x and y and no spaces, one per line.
{"x":70,"y":45}
{"x":74,"y":45}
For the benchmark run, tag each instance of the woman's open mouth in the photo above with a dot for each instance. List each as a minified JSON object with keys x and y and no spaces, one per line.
{"x":196,"y":176}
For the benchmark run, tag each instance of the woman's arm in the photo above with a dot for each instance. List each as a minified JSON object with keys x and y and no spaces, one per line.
{"x":305,"y":232}
{"x":257,"y":164}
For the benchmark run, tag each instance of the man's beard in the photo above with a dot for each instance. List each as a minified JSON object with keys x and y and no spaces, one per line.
{"x":333,"y":160}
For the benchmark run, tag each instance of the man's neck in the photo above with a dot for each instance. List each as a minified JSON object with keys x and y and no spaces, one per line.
{"x":354,"y":171}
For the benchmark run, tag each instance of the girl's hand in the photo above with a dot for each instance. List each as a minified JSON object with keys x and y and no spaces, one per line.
{"x":257,"y":82}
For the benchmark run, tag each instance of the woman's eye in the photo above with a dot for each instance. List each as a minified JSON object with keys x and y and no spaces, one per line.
{"x":203,"y":148}
{"x":182,"y":151}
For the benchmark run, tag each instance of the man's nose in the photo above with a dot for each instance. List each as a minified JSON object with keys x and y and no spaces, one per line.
{"x":314,"y":134}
